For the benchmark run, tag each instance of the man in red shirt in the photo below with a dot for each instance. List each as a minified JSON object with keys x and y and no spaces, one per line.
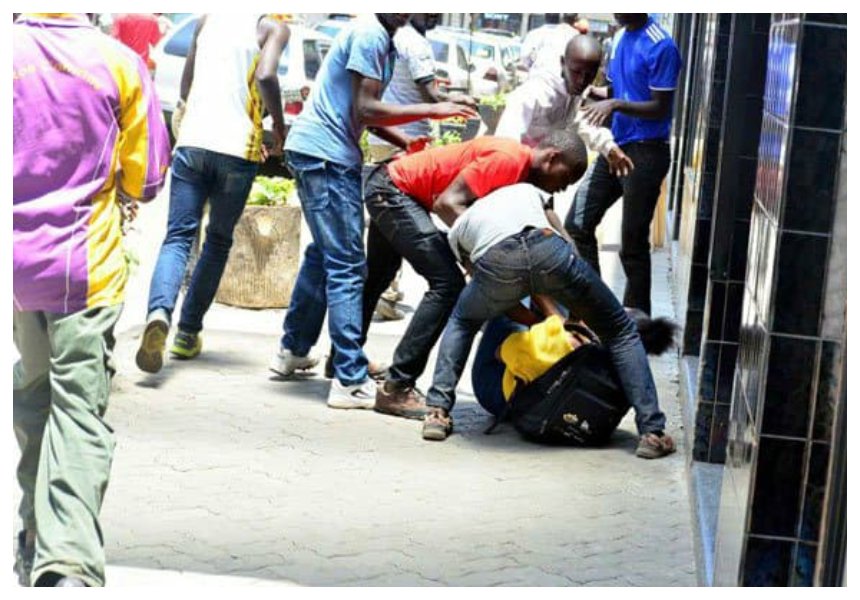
{"x":138,"y":31}
{"x":400,"y":197}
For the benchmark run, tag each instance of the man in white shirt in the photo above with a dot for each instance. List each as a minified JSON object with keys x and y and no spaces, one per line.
{"x":551,"y":100}
{"x":230,"y":77}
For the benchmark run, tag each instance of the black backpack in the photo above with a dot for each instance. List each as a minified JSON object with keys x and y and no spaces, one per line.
{"x":578,"y":402}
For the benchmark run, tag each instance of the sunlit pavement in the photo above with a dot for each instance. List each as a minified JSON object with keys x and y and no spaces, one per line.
{"x":225,"y":475}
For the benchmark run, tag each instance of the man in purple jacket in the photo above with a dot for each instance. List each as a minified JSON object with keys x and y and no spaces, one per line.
{"x":87,"y":132}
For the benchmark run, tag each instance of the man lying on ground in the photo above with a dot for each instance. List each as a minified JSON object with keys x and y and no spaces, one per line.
{"x":512,"y":355}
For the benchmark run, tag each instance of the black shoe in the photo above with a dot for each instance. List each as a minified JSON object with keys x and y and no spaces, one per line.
{"x":52,"y":579}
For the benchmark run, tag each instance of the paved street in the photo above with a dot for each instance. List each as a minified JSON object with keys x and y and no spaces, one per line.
{"x":223,"y":470}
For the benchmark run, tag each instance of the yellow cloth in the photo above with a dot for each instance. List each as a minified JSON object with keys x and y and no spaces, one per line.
{"x":529,"y":354}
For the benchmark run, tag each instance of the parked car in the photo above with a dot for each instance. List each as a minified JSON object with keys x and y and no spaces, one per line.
{"x":337,"y":22}
{"x":500,"y":32}
{"x":493,"y":59}
{"x":297,"y":68}
{"x":452,"y":65}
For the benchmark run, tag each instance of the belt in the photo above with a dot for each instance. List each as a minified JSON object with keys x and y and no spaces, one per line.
{"x":547,"y":231}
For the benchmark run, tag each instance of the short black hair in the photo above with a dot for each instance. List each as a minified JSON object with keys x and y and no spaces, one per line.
{"x":569,"y":143}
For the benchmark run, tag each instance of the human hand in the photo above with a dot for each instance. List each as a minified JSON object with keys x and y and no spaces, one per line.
{"x":620,"y":164}
{"x":277,"y":148}
{"x":127,"y":209}
{"x":443,"y":110}
{"x":176,"y":119}
{"x":600,"y":112}
{"x":463,"y":99}
{"x":417,"y":144}
{"x":596,"y":92}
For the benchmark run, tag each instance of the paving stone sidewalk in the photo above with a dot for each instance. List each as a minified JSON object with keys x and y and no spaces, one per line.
{"x":223,"y":470}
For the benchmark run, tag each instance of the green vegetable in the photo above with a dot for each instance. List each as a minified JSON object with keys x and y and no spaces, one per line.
{"x":271,"y":191}
{"x":498,"y":100}
{"x":449,"y":137}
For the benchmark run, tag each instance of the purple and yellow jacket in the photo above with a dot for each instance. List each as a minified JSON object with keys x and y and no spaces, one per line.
{"x":85,"y":121}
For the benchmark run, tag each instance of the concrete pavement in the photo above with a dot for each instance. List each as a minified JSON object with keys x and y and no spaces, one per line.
{"x":222,"y":470}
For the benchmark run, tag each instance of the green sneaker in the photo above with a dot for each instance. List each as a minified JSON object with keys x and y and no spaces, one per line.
{"x":186,"y":345}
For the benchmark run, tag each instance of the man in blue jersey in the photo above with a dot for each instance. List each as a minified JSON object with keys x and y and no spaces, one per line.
{"x":642,"y":75}
{"x":323,"y":152}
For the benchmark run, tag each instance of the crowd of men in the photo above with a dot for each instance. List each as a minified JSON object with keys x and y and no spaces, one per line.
{"x":106,"y":146}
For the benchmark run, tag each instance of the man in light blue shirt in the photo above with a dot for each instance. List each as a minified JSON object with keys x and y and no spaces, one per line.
{"x":323,"y":152}
{"x":643,"y":71}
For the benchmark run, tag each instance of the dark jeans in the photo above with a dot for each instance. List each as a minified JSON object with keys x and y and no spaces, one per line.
{"x":197,"y":176}
{"x":641,"y":190}
{"x":332,"y":273}
{"x":401,"y":228}
{"x":537,"y":262}
{"x":488,"y":369}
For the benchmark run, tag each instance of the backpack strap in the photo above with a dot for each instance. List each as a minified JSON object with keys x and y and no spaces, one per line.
{"x":582,"y":331}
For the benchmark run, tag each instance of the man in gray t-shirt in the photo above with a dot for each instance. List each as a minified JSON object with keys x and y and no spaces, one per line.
{"x":511,"y":210}
{"x":512,"y":243}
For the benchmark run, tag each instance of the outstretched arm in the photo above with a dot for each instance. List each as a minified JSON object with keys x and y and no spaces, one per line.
{"x":658,"y":107}
{"x":371,"y":111}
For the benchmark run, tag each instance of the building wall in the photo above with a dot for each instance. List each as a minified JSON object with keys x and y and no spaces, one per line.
{"x":724,"y":252}
{"x":791,"y":342}
{"x":700,"y":166}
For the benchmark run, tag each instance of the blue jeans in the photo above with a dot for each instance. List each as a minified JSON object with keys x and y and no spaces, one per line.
{"x":197,"y":176}
{"x":488,"y":369}
{"x":538,"y":262}
{"x":332,"y":273}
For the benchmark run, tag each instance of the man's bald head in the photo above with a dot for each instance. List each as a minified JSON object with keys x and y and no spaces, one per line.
{"x":583,"y":47}
{"x":580,"y":63}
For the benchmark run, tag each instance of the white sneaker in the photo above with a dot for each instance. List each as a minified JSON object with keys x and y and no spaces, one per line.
{"x":360,"y":395}
{"x":284,"y":363}
{"x":388,"y":311}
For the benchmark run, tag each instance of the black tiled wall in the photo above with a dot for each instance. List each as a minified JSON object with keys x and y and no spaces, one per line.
{"x":701,"y":168}
{"x":724,"y":252}
{"x":791,"y":338}
{"x":689,"y":34}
